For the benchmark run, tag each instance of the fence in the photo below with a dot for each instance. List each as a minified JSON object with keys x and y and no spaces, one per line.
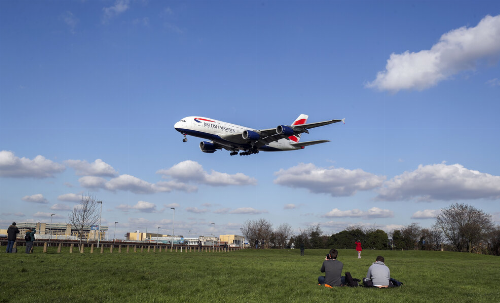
{"x":119,"y":247}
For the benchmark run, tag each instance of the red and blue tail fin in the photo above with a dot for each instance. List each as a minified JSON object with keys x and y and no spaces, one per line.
{"x":302,"y":119}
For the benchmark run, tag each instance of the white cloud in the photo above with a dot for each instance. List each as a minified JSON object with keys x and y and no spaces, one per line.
{"x":38,"y":198}
{"x":133,"y":184}
{"x":174,"y":205}
{"x":247,"y":211}
{"x":71,"y":197}
{"x":45,"y":215}
{"x":441,"y":182}
{"x":39,"y":167}
{"x":290,"y":206}
{"x":222,"y":211}
{"x":191,"y":171}
{"x":70,"y":20}
{"x":373,"y":212}
{"x":338,"y":182}
{"x":118,"y":8}
{"x":141,"y":206}
{"x":60,"y":207}
{"x":458,"y":50}
{"x":196,"y":210}
{"x":493,"y":82}
{"x":96,"y":168}
{"x":426,"y":214}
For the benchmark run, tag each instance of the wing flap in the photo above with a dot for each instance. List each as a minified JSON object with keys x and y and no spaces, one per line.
{"x":302,"y":144}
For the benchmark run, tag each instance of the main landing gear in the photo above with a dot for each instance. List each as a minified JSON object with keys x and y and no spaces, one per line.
{"x":185,"y":138}
{"x":249,"y":152}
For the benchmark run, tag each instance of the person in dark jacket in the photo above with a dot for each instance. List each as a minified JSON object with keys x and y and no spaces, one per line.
{"x":30,"y":240}
{"x":12,"y":232}
{"x":332,"y":269}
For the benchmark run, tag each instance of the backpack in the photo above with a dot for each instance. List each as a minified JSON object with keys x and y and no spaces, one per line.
{"x":349,"y":281}
{"x":394,"y":283}
{"x":27,"y":237}
{"x":367,"y":282}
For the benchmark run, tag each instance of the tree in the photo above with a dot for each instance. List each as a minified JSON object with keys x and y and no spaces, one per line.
{"x":464,"y":226}
{"x":315,"y":238}
{"x":376,"y":239}
{"x":397,"y":239}
{"x":257,"y":230}
{"x":410,"y":236}
{"x":431,"y":239}
{"x":84,"y":214}
{"x":282,"y":234}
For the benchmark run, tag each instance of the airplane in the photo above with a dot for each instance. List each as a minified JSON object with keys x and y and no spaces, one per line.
{"x":247,"y":141}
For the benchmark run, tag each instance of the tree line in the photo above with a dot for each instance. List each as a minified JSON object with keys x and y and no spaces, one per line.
{"x":460,"y":227}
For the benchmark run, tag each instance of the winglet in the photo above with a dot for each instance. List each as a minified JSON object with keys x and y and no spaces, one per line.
{"x":343,"y":120}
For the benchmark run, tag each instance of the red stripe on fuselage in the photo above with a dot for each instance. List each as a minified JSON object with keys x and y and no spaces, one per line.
{"x":203,"y":119}
{"x":293,"y":138}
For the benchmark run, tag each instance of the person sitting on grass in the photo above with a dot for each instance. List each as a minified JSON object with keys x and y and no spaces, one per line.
{"x":379,"y":273}
{"x":332,"y":269}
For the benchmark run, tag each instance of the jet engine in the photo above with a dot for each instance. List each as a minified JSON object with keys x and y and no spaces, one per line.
{"x":284,"y":130}
{"x":207,"y":147}
{"x":250,"y":135}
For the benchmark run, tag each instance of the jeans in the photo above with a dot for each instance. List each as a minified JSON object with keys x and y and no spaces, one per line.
{"x":10,"y":244}
{"x":321,"y":280}
{"x":29,"y":245}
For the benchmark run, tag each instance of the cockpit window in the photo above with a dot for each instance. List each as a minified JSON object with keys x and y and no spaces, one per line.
{"x":183,"y":120}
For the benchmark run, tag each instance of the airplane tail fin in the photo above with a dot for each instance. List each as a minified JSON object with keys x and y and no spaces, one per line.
{"x":302,"y":119}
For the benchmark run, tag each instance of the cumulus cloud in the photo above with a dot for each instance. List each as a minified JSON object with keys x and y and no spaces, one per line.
{"x":458,"y":50}
{"x":290,"y":206}
{"x":426,"y":214}
{"x":338,"y":182}
{"x":133,"y":184}
{"x":45,"y":215}
{"x":118,"y":8}
{"x":38,"y":198}
{"x":71,"y":198}
{"x":441,"y":182}
{"x":196,"y":210}
{"x":39,"y":167}
{"x":247,"y":211}
{"x":373,"y":212}
{"x":96,"y":168}
{"x":141,"y":206}
{"x":191,"y":171}
{"x":60,"y":207}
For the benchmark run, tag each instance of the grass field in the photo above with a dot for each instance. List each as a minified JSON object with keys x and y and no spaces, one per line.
{"x":241,"y":276}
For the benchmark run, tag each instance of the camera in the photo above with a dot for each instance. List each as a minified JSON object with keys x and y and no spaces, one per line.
{"x":329,"y":257}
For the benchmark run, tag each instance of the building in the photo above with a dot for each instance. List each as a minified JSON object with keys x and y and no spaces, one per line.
{"x":59,"y":231}
{"x":233,"y":240}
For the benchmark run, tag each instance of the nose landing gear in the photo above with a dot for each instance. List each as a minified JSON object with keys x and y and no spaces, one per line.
{"x":185,"y":138}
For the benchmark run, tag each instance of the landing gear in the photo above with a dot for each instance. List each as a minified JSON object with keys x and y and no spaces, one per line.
{"x":185,"y":138}
{"x":249,"y":152}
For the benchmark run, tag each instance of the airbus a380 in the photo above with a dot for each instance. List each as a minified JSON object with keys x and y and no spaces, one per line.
{"x":245,"y":140}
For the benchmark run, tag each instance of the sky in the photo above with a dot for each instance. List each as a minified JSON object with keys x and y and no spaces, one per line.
{"x":90,"y":92}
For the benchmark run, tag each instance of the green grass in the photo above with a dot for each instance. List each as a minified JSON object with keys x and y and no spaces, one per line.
{"x":241,"y":276}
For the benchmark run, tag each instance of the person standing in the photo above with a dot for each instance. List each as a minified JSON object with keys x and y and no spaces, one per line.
{"x":302,"y":248}
{"x":332,"y":269}
{"x":379,"y":273}
{"x":30,"y":238}
{"x":358,"y":248}
{"x":12,"y":232}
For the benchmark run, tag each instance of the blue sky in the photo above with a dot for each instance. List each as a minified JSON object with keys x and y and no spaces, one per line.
{"x":90,"y":91}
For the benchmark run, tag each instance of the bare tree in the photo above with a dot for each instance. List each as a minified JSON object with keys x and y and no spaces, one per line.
{"x":257,"y":230}
{"x":84,"y":214}
{"x":464,"y":226}
{"x":282,"y":234}
{"x":410,"y":235}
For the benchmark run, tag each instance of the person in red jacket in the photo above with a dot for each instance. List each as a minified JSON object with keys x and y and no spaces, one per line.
{"x":358,"y":248}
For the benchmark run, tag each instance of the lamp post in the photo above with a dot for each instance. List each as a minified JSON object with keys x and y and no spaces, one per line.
{"x":100,"y":219}
{"x":173,"y":230}
{"x":51,"y":225}
{"x":114,"y":236}
{"x":213,"y":244}
{"x":157,"y":235}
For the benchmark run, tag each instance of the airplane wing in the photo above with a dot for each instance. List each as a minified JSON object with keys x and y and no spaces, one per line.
{"x":302,"y":144}
{"x":269,"y":135}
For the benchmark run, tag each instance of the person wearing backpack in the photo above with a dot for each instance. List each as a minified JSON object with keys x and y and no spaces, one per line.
{"x":30,"y":238}
{"x":332,"y":269}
